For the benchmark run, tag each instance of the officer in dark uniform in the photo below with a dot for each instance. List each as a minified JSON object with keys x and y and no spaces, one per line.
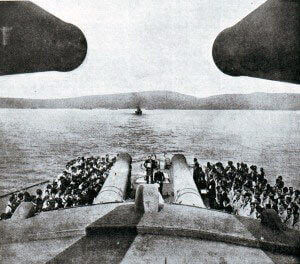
{"x":159,"y":178}
{"x":196,"y":174}
{"x":148,"y":164}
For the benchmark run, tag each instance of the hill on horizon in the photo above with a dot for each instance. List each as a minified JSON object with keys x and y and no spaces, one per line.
{"x":164,"y":100}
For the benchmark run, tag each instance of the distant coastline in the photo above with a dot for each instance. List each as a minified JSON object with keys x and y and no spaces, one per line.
{"x":163,"y":100}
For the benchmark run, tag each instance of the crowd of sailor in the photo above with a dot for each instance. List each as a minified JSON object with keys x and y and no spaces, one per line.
{"x":238,"y":189}
{"x":244,"y":190}
{"x":77,"y":185}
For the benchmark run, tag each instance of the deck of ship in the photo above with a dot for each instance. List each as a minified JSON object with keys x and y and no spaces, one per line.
{"x":118,"y":233}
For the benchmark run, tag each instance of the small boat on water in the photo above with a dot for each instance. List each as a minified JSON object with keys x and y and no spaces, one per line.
{"x":138,"y":111}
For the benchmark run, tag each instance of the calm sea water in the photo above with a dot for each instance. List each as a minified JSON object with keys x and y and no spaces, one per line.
{"x":35,"y":144}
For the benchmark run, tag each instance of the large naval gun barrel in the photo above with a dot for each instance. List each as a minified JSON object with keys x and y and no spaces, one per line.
{"x":185,"y":190}
{"x":33,"y":40}
{"x":115,"y":186}
{"x":265,"y":44}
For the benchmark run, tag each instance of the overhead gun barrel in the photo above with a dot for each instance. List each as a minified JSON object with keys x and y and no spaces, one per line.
{"x":33,"y":40}
{"x":265,"y":44}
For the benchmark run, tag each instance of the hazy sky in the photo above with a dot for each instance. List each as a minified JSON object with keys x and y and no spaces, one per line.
{"x":140,"y":45}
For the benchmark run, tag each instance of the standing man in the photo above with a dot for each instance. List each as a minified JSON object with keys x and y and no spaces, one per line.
{"x":196,"y":175}
{"x":159,"y":178}
{"x":155,"y":164}
{"x":167,"y":161}
{"x":148,"y":164}
{"x":212,"y":192}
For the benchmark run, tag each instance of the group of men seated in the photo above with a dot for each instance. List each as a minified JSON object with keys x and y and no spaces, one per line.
{"x":77,"y":185}
{"x":243,"y":190}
